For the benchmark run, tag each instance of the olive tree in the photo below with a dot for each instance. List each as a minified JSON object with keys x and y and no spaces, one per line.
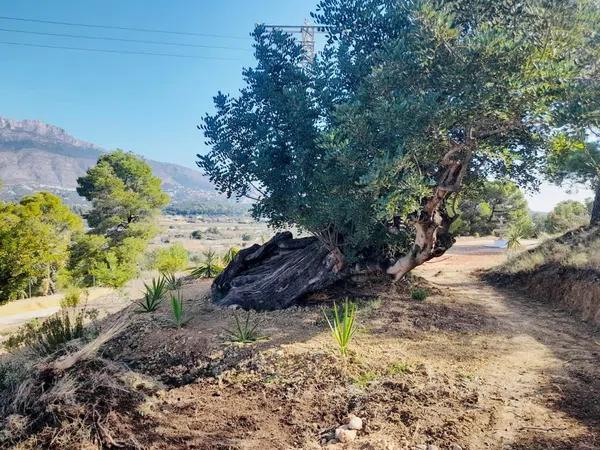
{"x":407,"y":103}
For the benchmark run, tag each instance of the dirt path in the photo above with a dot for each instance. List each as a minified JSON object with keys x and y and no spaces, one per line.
{"x":541,"y":380}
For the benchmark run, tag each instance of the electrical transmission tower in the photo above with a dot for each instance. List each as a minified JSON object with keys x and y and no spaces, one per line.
{"x":307,"y":34}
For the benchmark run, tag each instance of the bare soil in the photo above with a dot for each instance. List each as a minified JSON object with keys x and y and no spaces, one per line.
{"x":470,"y":367}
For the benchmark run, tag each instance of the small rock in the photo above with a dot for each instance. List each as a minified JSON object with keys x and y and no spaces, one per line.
{"x":344,"y":435}
{"x":455,"y":447}
{"x":421,"y":447}
{"x":233,"y":306}
{"x":354,"y":422}
{"x":432,"y":447}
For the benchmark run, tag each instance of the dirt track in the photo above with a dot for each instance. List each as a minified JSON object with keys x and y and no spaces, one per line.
{"x":544,"y":386}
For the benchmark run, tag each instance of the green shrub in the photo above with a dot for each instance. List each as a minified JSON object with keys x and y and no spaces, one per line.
{"x":177,"y":309}
{"x":419,"y":294}
{"x":72,"y":297}
{"x":342,"y":325}
{"x":398,"y":368}
{"x":246,"y":237}
{"x":46,"y":337}
{"x":209,"y":268}
{"x":171,"y":259}
{"x":196,"y":234}
{"x":154,"y":295}
{"x":244,"y":331}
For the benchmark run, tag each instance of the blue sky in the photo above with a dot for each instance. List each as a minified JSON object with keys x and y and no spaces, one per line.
{"x":147,"y":104}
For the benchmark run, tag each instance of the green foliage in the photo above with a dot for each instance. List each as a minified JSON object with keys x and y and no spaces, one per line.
{"x":34,"y":235}
{"x":48,"y":336}
{"x":245,"y":237}
{"x":209,"y":268}
{"x":491,"y":207}
{"x":154,"y":294}
{"x":172,"y":282}
{"x":244,"y":331}
{"x":342,"y":325}
{"x":365,"y":378}
{"x":177,"y":309}
{"x":171,"y":259}
{"x":398,"y":368}
{"x":357,"y":140}
{"x":125,"y":197}
{"x":513,"y":237}
{"x":566,"y":216}
{"x":230,"y":255}
{"x":419,"y":294}
{"x":196,"y":234}
{"x":72,"y":297}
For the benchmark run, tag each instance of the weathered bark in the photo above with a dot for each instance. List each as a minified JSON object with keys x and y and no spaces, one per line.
{"x":595,"y":219}
{"x":432,"y":223}
{"x":277,"y":274}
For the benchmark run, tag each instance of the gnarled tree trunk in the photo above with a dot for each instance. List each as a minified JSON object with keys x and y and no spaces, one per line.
{"x":277,"y":274}
{"x":595,"y":219}
{"x":282,"y":271}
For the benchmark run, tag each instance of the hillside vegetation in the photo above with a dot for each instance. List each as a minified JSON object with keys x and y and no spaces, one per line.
{"x":565,"y":271}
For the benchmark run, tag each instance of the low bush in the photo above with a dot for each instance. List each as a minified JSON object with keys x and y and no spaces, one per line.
{"x":171,"y":259}
{"x":73,"y":296}
{"x":419,"y":294}
{"x":246,"y":237}
{"x":196,"y":234}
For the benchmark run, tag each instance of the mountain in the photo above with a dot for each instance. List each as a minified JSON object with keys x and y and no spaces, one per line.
{"x":37,"y":156}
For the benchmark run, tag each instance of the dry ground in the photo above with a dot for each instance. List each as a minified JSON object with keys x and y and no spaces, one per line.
{"x":471,"y":367}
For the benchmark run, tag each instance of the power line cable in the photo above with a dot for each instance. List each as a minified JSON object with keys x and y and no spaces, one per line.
{"x":103,"y":38}
{"x":112,"y":27}
{"x":122,"y":52}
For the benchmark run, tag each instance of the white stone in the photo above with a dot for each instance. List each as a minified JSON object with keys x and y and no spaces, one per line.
{"x":344,"y":435}
{"x":354,"y":422}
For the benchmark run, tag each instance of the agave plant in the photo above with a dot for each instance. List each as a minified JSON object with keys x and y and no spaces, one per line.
{"x":173,"y":283}
{"x":230,"y":255}
{"x":177,"y":309}
{"x":209,"y":268}
{"x":244,"y":331}
{"x":154,"y":295}
{"x":342,"y":325}
{"x":515,"y":234}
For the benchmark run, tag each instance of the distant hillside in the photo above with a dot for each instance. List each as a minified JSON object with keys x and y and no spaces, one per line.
{"x":36,"y":156}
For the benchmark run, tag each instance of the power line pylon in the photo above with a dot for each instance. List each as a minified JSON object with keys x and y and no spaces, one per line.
{"x":307,"y":35}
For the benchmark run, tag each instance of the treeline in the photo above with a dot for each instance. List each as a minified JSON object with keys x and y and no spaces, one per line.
{"x":500,"y":208}
{"x":45,"y":245}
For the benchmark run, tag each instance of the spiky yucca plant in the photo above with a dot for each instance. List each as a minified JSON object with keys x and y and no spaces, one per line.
{"x":209,"y":268}
{"x":177,"y":309}
{"x":154,"y":295}
{"x":342,"y":325}
{"x":230,"y":255}
{"x":172,"y":282}
{"x":244,"y":331}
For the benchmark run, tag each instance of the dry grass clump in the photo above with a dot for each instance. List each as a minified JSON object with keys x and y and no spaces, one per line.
{"x":74,"y":400}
